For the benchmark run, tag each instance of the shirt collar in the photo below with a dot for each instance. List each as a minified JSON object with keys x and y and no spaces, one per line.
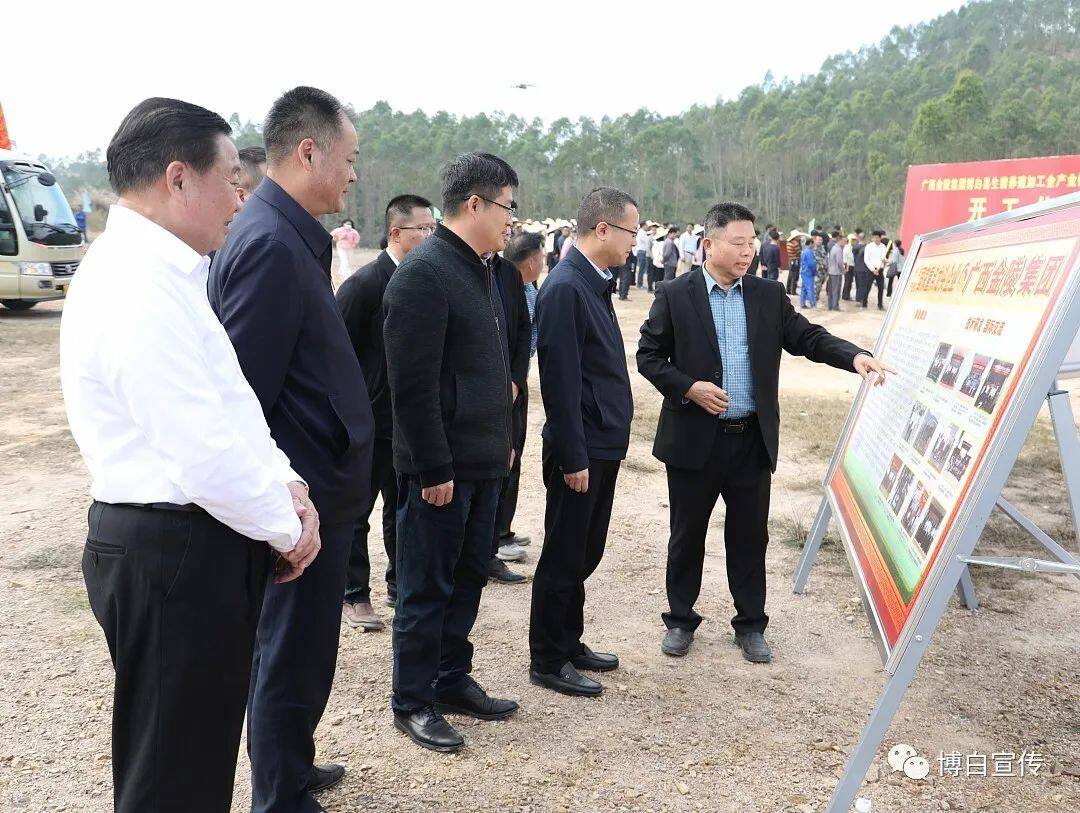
{"x":167,"y":246}
{"x":711,"y":283}
{"x":392,"y":257}
{"x":310,"y":229}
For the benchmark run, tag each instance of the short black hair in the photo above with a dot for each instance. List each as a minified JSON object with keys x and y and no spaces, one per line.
{"x":723,"y":213}
{"x":251,"y":172}
{"x":401,"y":207}
{"x":474,"y":173}
{"x":157,"y":132}
{"x":877,"y":233}
{"x":673,"y":230}
{"x":859,"y":231}
{"x":836,"y":234}
{"x":303,"y":112}
{"x":604,"y":204}
{"x":774,"y":234}
{"x":522,"y":245}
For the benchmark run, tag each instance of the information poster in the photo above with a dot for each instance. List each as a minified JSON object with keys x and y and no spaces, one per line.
{"x":964,"y":333}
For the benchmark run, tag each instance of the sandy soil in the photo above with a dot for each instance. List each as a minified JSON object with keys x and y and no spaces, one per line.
{"x":708,"y":732}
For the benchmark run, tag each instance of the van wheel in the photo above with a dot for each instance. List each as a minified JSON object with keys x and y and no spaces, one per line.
{"x":17,"y":304}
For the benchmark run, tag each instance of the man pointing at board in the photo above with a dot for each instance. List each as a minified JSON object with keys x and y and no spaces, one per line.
{"x":712,"y":346}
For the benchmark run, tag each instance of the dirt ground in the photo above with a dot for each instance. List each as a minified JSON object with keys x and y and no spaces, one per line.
{"x":709,"y":732}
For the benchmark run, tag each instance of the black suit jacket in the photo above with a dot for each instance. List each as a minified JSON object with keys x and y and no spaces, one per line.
{"x":270,"y":287}
{"x":360,"y":298}
{"x":518,"y":330}
{"x":678,"y":346}
{"x":518,"y":324}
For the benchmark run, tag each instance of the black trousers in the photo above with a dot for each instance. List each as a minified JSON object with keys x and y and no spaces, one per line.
{"x":849,"y":278}
{"x":291,"y":675}
{"x":443,"y":554}
{"x":737,"y":470}
{"x":178,"y":596}
{"x":383,"y":481}
{"x":575,"y":532}
{"x":793,"y":279}
{"x":508,"y":496}
{"x":626,"y":278}
{"x":878,"y":281}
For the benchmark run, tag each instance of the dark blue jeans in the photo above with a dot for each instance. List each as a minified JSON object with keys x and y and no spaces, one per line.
{"x":442,"y":564}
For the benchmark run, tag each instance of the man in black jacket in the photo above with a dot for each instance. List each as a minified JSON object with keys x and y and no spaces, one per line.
{"x":450,"y":384}
{"x":519,"y":345}
{"x":589,"y":405}
{"x":712,"y":346}
{"x":270,"y":287}
{"x":409,"y":221}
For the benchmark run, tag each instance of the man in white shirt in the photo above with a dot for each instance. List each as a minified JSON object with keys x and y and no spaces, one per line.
{"x":642,"y":250}
{"x":186,"y":479}
{"x":874,"y":257}
{"x":688,"y":243}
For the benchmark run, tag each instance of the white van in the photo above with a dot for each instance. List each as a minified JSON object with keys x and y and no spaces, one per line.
{"x":40,"y":245}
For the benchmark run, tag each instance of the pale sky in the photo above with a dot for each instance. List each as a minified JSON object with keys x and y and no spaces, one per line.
{"x":72,"y":70}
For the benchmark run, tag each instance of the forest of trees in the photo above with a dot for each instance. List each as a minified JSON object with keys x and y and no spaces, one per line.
{"x":995,"y":79}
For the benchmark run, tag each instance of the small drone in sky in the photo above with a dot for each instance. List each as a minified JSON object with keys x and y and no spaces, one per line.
{"x":523,"y":86}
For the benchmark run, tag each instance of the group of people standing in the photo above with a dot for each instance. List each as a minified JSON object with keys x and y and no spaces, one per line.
{"x":220,"y":404}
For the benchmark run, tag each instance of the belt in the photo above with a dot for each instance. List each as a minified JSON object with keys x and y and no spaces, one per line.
{"x":738,"y":425}
{"x":189,"y":508}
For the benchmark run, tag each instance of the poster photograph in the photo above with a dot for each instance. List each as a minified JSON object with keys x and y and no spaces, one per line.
{"x":963,"y":335}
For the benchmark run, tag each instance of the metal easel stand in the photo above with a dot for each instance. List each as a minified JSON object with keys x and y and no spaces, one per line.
{"x":1068,"y":443}
{"x":956,"y":567}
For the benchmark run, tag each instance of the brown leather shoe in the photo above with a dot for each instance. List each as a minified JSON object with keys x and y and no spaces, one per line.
{"x":362,"y":615}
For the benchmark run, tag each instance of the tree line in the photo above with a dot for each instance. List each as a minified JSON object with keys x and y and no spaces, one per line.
{"x":993,"y":79}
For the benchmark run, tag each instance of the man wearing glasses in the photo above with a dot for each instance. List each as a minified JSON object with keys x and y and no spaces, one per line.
{"x":409,"y":221}
{"x":449,"y":375}
{"x":586,"y":391}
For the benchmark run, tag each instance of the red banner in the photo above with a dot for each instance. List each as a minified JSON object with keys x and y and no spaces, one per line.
{"x":940,"y":195}
{"x":5,"y":142}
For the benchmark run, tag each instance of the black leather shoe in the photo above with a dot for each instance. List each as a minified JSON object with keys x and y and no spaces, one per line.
{"x":323,"y":777}
{"x":677,"y":642}
{"x":595,"y":661}
{"x":753,"y":647}
{"x":429,"y":728}
{"x":472,"y":700}
{"x":567,"y":681}
{"x":499,"y":572}
{"x":391,"y":598}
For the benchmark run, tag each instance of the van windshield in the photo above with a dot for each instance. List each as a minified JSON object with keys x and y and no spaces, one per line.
{"x":46,"y":216}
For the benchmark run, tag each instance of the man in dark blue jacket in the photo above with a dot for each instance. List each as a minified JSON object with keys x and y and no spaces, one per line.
{"x":270,"y":287}
{"x":586,"y":391}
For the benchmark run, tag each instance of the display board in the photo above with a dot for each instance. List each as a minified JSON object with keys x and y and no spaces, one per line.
{"x":966,"y":333}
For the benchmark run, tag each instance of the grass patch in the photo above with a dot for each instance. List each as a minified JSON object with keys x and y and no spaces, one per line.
{"x":792,"y":529}
{"x":52,"y":557}
{"x":72,"y":599}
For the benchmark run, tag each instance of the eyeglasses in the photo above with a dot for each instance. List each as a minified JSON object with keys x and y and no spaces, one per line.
{"x":426,"y":230}
{"x":620,"y":228}
{"x":512,"y":208}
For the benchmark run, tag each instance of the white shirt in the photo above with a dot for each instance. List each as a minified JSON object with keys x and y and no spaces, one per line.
{"x":658,"y":253}
{"x":873,"y":254}
{"x":155,"y":397}
{"x":688,"y":245}
{"x":643,"y":242}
